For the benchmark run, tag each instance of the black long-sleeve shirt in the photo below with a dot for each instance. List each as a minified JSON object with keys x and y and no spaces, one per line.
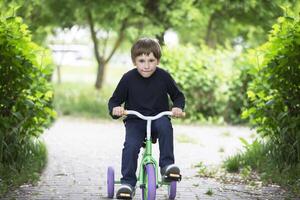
{"x":149,"y":96}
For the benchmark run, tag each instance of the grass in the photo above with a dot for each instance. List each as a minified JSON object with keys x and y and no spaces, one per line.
{"x":209,"y":192}
{"x":76,"y":94}
{"x":233,"y":163}
{"x":81,"y":100}
{"x":183,"y":138}
{"x":207,"y":172}
{"x":257,"y":159}
{"x":221,"y":150}
{"x":226,"y":134}
{"x":16,"y":174}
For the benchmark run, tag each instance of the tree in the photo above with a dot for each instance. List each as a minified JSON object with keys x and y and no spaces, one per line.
{"x":218,"y":22}
{"x":120,"y":20}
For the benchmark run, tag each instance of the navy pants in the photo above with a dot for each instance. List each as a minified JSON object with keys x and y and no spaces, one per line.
{"x":135,"y":135}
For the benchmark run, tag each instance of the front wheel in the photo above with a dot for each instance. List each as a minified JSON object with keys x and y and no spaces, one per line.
{"x":110,"y":182}
{"x":149,"y":192}
{"x":172,"y":190}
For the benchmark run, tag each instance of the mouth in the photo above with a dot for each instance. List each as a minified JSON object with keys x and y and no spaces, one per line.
{"x":147,"y":71}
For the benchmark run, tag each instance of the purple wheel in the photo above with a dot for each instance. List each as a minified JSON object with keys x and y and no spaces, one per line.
{"x":149,"y":192}
{"x":172,"y":190}
{"x":110,"y":182}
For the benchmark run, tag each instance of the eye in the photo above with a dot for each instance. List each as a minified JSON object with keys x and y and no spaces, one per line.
{"x":141,"y":60}
{"x":152,"y":60}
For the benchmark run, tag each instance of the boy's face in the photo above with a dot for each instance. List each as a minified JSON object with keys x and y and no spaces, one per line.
{"x":146,"y":64}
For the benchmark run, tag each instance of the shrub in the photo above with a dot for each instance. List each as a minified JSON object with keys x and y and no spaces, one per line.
{"x":238,"y":85}
{"x":197,"y":75}
{"x":26,"y":95}
{"x":275,"y":92}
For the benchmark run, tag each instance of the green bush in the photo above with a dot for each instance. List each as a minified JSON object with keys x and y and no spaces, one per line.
{"x":26,"y":95}
{"x":214,"y":81}
{"x":238,"y":85}
{"x":197,"y":75}
{"x":275,"y":92}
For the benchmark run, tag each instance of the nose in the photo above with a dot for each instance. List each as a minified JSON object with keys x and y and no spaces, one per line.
{"x":147,"y":65}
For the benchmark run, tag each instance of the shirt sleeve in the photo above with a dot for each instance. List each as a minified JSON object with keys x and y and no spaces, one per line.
{"x":119,"y":96}
{"x":176,"y":95}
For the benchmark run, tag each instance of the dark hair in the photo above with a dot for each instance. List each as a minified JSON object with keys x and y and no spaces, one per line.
{"x":145,"y":46}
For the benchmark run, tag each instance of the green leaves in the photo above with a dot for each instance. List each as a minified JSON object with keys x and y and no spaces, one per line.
{"x":275,"y":92}
{"x":26,"y":95}
{"x":198,"y":73}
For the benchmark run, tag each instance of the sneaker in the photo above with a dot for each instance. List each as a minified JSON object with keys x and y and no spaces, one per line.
{"x":125,"y":191}
{"x":170,"y":173}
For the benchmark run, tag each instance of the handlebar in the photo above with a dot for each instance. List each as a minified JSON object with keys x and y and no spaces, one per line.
{"x":132,"y":112}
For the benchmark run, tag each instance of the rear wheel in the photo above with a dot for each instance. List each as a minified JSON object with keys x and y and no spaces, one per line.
{"x":149,"y":192}
{"x":110,"y":182}
{"x":172,"y":190}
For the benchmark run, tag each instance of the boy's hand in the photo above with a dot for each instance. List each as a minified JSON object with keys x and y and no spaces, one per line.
{"x":118,"y":111}
{"x":177,"y":112}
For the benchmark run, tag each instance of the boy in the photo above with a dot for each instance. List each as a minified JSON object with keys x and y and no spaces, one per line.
{"x":145,"y":89}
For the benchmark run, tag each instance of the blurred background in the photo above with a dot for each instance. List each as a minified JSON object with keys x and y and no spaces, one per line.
{"x":205,"y":47}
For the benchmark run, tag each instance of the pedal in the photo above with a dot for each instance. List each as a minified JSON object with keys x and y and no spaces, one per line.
{"x":172,"y":177}
{"x":125,"y":192}
{"x":171,"y":173}
{"x":124,"y":196}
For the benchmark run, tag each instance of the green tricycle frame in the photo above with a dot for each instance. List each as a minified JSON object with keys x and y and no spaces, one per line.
{"x":148,"y":178}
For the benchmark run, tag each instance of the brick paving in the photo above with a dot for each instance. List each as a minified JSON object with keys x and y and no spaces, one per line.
{"x":79,"y":152}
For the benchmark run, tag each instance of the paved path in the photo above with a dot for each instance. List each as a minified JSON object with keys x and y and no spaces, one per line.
{"x":80,"y":152}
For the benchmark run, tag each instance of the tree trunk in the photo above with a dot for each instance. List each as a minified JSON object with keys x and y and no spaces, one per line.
{"x":208,"y":38}
{"x":102,"y":62}
{"x":100,"y":75}
{"x":58,"y":74}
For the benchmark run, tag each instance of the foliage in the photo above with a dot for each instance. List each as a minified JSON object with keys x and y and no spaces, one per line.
{"x":126,"y":20}
{"x":275,"y":92}
{"x":206,"y":171}
{"x":209,"y":192}
{"x":198,"y":79}
{"x":222,"y":22}
{"x":238,"y":85}
{"x":26,"y":95}
{"x":12,"y":177}
{"x":257,"y":158}
{"x":247,"y":158}
{"x":143,"y":17}
{"x":216,"y":23}
{"x":34,"y":15}
{"x":213,"y":81}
